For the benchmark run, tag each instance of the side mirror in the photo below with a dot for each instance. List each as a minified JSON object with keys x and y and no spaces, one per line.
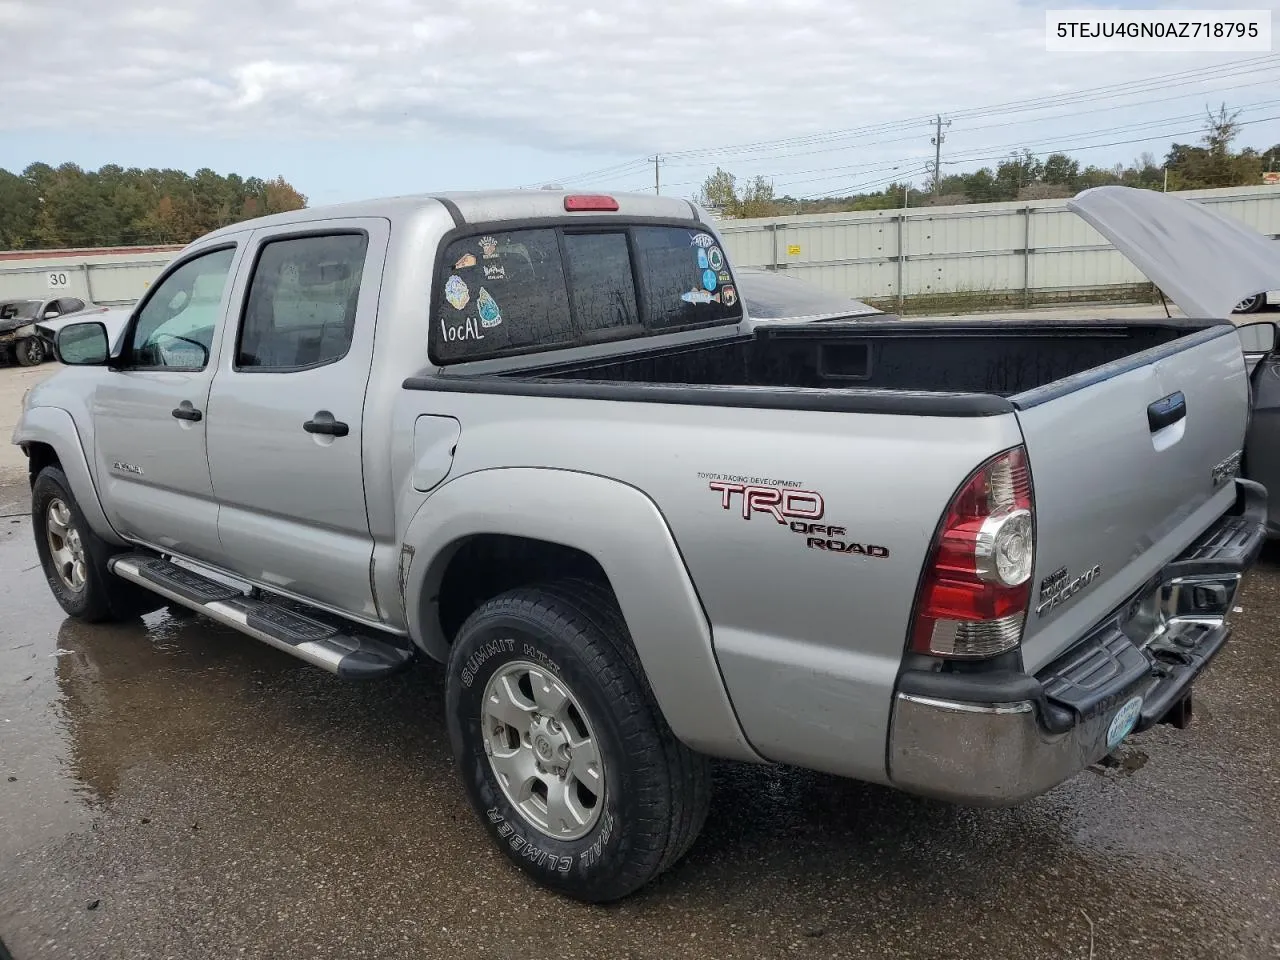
{"x":1257,"y":337}
{"x":50,"y":313}
{"x":82,"y":344}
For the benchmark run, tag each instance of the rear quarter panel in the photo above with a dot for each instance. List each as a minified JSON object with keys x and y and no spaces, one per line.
{"x":809,"y":642}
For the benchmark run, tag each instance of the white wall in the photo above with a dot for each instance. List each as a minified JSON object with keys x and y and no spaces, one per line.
{"x":1034,"y":246}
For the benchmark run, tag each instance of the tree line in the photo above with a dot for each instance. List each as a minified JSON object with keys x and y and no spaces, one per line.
{"x":46,"y":207}
{"x":1023,"y":176}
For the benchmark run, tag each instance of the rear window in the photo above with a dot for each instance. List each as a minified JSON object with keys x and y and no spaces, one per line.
{"x":520,"y":291}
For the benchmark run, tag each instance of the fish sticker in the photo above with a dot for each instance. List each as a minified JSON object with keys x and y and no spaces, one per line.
{"x":730,"y":296}
{"x":456,"y":292}
{"x":700,"y":297}
{"x":464,"y":261}
{"x":488,"y":247}
{"x":495,"y":271}
{"x":702,"y":259}
{"x":702,"y":240}
{"x":709,"y":279}
{"x":490,"y":315}
{"x":715,"y":259}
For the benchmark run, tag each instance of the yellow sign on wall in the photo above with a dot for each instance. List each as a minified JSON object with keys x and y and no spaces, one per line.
{"x":793,"y":250}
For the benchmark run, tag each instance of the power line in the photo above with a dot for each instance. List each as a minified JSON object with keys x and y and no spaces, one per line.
{"x":1109,"y":91}
{"x":861,"y":187}
{"x":603,"y":171}
{"x":1113,"y":143}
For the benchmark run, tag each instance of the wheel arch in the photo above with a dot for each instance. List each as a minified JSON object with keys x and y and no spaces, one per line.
{"x":49,"y":437}
{"x":589,"y":526}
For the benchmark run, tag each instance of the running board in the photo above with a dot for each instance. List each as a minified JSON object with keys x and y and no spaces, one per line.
{"x":322,"y":643}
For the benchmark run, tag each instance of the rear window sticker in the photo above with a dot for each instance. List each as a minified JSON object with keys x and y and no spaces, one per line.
{"x":464,"y":261}
{"x":709,"y":279}
{"x":490,"y":315}
{"x":466,"y":330}
{"x":730,"y":296}
{"x":724,"y":277}
{"x":715,"y":259}
{"x":488,"y":247}
{"x":700,"y":296}
{"x":495,"y":271}
{"x":702,"y":240}
{"x":702,"y":259}
{"x":456,"y":292}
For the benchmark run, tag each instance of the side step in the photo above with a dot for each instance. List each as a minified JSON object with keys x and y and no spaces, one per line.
{"x":323,"y":643}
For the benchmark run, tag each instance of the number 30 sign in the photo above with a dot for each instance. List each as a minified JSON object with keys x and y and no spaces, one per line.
{"x":58,"y":279}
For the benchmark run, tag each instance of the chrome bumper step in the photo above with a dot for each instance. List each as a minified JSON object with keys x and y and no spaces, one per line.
{"x":320,"y":640}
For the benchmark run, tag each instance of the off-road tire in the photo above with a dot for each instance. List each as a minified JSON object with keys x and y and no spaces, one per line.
{"x":30,"y":352}
{"x":104,"y":596}
{"x":657,"y":791}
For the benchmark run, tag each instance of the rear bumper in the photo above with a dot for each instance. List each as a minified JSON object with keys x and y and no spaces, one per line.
{"x":998,"y":738}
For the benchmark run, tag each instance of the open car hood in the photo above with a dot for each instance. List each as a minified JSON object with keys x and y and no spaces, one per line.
{"x":1204,"y":262}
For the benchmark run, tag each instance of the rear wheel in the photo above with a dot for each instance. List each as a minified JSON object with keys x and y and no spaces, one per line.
{"x":563,"y":751}
{"x":30,"y":351}
{"x":75,"y":558}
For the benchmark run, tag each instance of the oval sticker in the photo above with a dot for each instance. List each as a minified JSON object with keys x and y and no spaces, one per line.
{"x":1123,"y":722}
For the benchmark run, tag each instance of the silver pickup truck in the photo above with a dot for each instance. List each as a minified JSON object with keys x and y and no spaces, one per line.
{"x":533,"y":436}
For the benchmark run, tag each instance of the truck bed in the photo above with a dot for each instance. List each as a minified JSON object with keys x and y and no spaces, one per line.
{"x":1001,"y":358}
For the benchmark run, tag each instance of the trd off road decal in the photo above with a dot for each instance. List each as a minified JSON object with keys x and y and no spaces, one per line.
{"x":796,"y":509}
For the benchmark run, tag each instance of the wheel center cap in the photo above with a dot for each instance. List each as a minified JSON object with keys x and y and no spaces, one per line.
{"x":543,"y":747}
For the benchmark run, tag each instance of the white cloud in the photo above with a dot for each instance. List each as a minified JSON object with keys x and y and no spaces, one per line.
{"x":631,"y":76}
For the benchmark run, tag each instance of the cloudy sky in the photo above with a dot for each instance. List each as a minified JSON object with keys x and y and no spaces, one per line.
{"x":352,"y":99}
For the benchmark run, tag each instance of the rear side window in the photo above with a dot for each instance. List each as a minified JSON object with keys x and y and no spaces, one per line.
{"x":684,"y":278}
{"x":501,"y":293}
{"x":541,"y":288}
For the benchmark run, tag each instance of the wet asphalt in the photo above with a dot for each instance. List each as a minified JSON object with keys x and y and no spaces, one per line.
{"x":171,"y":789}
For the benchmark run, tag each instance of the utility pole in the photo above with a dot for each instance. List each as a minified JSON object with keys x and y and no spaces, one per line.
{"x":938,"y":137}
{"x":657,"y":185}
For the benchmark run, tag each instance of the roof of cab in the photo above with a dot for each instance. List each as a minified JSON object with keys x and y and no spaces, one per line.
{"x":478,"y":206}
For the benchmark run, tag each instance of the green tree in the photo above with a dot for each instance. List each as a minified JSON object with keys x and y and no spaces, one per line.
{"x":68,"y":206}
{"x":720,"y":193}
{"x":1060,"y":169}
{"x":758,"y":199}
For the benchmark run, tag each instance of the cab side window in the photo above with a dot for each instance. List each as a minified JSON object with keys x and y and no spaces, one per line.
{"x":175,"y":327}
{"x":301,"y":308}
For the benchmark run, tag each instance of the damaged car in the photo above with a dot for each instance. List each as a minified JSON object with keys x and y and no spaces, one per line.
{"x":21,"y":339}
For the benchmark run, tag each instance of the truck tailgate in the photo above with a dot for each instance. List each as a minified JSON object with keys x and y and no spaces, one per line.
{"x":1130,"y":462}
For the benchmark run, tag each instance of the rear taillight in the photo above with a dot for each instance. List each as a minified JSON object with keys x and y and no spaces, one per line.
{"x":977,"y":581}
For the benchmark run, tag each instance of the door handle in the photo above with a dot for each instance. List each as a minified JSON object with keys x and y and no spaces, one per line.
{"x":1167,"y":410}
{"x":333,"y":428}
{"x":188,"y":413}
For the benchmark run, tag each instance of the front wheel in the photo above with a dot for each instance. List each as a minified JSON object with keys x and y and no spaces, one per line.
{"x":75,"y":558}
{"x":563,"y":751}
{"x":30,"y":351}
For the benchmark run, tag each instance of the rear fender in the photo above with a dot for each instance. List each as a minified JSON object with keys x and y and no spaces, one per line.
{"x":626,"y":534}
{"x":56,"y":427}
